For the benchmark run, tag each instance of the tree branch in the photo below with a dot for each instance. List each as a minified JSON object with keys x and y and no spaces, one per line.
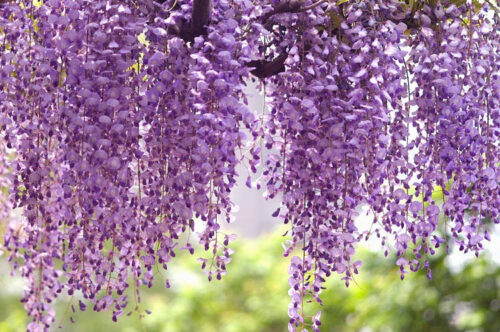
{"x":200,"y":18}
{"x":264,"y":68}
{"x":290,"y":6}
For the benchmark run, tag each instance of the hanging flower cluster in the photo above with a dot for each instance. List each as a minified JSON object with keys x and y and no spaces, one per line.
{"x":127,"y":120}
{"x":335,"y":131}
{"x":119,"y":146}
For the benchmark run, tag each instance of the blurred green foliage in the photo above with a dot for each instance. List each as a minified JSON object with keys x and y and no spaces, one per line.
{"x":253,"y":298}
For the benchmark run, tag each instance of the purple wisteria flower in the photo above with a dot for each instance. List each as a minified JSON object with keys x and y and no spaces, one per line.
{"x":123,"y":123}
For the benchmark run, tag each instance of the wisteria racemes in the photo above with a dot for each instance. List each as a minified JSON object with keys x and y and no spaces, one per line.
{"x":123,"y":124}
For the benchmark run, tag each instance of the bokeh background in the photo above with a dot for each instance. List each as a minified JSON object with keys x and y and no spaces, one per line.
{"x":253,"y":297}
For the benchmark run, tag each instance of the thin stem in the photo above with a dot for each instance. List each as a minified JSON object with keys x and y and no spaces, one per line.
{"x":314,"y":5}
{"x":495,"y":8}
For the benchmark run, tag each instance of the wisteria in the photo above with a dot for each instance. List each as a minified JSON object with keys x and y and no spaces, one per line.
{"x":123,"y":124}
